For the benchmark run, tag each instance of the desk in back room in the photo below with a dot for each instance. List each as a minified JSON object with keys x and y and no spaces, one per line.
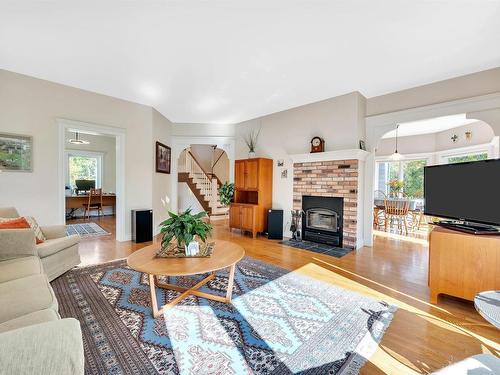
{"x":74,"y":202}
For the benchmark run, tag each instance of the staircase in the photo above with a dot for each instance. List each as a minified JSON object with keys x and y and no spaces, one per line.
{"x":204,"y":187}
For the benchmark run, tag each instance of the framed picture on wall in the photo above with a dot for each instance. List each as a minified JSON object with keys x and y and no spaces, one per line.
{"x":163,"y":153}
{"x":16,"y":152}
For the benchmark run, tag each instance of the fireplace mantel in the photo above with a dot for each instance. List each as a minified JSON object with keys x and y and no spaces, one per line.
{"x":351,"y":154}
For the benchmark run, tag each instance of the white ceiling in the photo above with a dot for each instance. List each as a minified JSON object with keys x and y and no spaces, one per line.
{"x":433,"y":125}
{"x":228,"y":61}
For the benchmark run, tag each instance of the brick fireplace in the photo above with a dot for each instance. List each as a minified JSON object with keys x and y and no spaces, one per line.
{"x":333,"y":178}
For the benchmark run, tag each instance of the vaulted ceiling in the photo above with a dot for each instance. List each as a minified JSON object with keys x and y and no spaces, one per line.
{"x":228,"y":61}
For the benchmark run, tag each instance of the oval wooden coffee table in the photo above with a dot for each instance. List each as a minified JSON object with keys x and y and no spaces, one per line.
{"x":226,"y":254}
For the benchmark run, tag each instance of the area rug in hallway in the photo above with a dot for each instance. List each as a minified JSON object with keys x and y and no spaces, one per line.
{"x":280,"y":322}
{"x":85,"y":230}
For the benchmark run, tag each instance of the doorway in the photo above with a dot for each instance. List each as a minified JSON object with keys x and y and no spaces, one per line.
{"x":398,"y":185}
{"x":202,"y":170}
{"x":92,"y":156}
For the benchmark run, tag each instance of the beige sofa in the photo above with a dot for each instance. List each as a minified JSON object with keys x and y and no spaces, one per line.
{"x":34,"y":339}
{"x":58,"y":253}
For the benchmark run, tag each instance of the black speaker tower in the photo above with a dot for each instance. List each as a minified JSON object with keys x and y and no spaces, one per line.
{"x":142,"y":225}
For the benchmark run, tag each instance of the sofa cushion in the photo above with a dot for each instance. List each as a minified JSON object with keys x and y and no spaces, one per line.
{"x":17,"y":243}
{"x":57,"y":264}
{"x":47,"y":348}
{"x":23,"y":296}
{"x":36,"y":317}
{"x":20,"y":267}
{"x":55,"y":245}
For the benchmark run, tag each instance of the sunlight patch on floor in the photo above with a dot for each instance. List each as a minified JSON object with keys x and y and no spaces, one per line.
{"x":383,"y":358}
{"x":395,"y":236}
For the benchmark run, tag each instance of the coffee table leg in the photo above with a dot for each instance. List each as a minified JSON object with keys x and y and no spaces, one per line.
{"x":154,"y":302}
{"x":230,"y":283}
{"x":153,"y":283}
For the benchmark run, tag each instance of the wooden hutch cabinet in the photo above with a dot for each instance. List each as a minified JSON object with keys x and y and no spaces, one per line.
{"x":253,"y":191}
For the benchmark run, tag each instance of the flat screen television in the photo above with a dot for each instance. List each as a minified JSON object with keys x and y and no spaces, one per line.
{"x":469,"y":192}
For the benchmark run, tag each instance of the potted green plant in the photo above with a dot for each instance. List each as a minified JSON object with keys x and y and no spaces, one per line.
{"x":185,"y":228}
{"x":226,"y":192}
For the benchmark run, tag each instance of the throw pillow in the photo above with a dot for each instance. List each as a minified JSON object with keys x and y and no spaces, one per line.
{"x":23,"y":223}
{"x":17,"y":223}
{"x":38,"y":232}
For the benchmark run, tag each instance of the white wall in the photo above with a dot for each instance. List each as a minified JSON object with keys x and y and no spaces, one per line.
{"x":105,"y":145}
{"x":162,"y":130}
{"x":482,"y":133}
{"x":206,"y":155}
{"x":31,"y":106}
{"x":221,"y":169}
{"x":186,"y":199}
{"x":476,"y":84}
{"x":340,"y":121}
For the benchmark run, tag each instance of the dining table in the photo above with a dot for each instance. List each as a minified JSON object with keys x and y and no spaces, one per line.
{"x":415,"y":210}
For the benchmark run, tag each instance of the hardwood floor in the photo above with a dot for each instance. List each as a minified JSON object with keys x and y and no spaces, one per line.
{"x":422,"y":337}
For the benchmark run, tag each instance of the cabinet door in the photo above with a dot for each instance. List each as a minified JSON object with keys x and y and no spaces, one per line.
{"x":239,"y":174}
{"x":247,"y":217}
{"x":251,"y":174}
{"x":234,"y":216}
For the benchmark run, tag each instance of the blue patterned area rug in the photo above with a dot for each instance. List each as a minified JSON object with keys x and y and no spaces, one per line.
{"x":278,"y":323}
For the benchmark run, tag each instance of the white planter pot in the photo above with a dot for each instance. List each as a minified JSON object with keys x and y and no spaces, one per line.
{"x":251,"y":154}
{"x":193,"y":248}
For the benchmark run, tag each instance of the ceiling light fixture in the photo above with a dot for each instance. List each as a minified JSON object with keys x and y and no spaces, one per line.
{"x":396,"y":155}
{"x":78,"y":141}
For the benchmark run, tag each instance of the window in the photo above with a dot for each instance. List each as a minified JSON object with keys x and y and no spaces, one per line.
{"x":411,"y":172}
{"x":466,"y":157}
{"x":84,"y":166}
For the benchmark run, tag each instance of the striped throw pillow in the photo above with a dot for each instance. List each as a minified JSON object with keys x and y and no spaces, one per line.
{"x":39,"y":237}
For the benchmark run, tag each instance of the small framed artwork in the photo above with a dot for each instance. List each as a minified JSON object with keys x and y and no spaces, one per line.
{"x":16,"y":152}
{"x":362,"y":145}
{"x":163,"y":154}
{"x":284,"y":173}
{"x":281,"y":162}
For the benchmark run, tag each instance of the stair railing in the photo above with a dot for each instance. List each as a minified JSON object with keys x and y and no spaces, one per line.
{"x":201,"y":179}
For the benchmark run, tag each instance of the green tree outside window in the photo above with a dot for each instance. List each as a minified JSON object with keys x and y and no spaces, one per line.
{"x":82,"y":168}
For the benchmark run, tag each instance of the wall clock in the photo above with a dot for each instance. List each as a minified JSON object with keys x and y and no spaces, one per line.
{"x":317,"y":144}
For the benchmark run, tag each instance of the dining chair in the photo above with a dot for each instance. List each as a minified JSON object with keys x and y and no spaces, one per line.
{"x":417,"y":216}
{"x":94,"y":203}
{"x":378,"y":210}
{"x":396,"y":209}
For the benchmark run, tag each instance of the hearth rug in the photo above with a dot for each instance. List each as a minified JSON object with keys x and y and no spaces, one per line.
{"x":85,"y":230}
{"x":334,"y":251}
{"x":279,"y":323}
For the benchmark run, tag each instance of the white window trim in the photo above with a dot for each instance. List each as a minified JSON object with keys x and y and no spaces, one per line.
{"x":488,"y":148}
{"x":92,"y":154}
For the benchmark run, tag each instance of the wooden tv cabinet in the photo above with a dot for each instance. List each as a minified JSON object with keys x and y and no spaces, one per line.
{"x":462,"y":264}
